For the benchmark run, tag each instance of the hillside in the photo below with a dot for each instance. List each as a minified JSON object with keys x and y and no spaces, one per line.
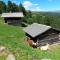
{"x":47,"y":18}
{"x":13,"y":38}
{"x":52,"y":13}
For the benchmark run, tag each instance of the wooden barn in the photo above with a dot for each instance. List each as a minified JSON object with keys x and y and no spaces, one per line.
{"x":42,"y":33}
{"x":13,"y":18}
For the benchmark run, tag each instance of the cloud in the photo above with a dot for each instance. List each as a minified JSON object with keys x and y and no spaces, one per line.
{"x":27,"y":4}
{"x":31,"y":6}
{"x":37,"y":9}
{"x":36,"y":4}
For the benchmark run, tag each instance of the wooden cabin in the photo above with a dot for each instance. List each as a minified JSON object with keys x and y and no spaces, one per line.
{"x":42,"y":33}
{"x":13,"y":18}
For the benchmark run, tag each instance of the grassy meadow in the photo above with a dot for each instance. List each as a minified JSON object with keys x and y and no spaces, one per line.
{"x":13,"y":38}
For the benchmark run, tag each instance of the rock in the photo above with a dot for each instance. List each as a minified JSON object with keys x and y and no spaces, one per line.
{"x":10,"y":57}
{"x":2,"y":49}
{"x":44,"y":47}
{"x":45,"y":59}
{"x":4,"y":23}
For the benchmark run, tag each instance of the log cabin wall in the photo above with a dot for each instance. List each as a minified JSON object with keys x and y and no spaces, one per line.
{"x":13,"y":20}
{"x":51,"y":36}
{"x":51,"y":33}
{"x":28,"y":36}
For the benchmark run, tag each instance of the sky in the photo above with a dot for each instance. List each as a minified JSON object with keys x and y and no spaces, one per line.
{"x":38,"y":5}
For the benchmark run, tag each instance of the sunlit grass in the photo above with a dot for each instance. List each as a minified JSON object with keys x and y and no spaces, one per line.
{"x":13,"y":38}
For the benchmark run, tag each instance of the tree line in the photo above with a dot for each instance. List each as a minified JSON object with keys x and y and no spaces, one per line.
{"x":11,"y":7}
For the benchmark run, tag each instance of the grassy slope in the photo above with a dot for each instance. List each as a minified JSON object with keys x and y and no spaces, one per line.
{"x":13,"y":38}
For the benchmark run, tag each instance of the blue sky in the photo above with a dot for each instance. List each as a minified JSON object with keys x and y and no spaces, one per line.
{"x":38,"y":5}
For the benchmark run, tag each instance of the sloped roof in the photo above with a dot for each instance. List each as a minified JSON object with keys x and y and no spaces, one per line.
{"x":20,"y":14}
{"x":36,"y":29}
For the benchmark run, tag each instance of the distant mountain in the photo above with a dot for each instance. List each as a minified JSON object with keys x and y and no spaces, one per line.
{"x":57,"y":11}
{"x":51,"y":13}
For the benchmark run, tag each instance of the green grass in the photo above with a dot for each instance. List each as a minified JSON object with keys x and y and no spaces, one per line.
{"x":13,"y":38}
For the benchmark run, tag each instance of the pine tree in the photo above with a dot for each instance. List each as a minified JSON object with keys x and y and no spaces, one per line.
{"x":22,"y":9}
{"x":2,"y":7}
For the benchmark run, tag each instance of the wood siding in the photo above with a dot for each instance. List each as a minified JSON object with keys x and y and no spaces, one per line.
{"x":50,"y":34}
{"x":13,"y":20}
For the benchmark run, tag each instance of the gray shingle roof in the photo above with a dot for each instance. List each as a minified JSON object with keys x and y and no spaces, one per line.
{"x":20,"y":14}
{"x":35,"y":29}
